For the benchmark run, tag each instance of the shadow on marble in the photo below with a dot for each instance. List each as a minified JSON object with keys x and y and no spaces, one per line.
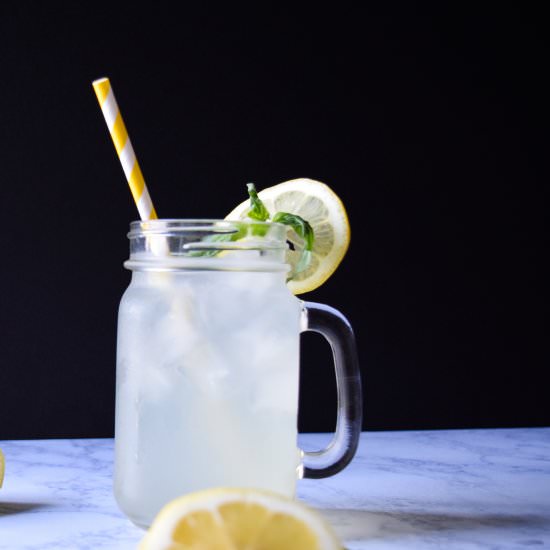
{"x":10,"y":508}
{"x":357,"y":525}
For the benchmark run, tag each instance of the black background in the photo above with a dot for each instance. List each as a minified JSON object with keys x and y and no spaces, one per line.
{"x":429,"y":127}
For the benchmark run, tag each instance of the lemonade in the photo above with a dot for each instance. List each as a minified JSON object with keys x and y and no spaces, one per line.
{"x":207,"y":378}
{"x":208,"y":354}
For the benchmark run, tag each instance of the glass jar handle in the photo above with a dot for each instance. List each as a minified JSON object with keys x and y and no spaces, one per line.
{"x":336,"y":329}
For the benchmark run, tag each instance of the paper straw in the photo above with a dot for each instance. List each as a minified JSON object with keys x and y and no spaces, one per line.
{"x":124,"y":148}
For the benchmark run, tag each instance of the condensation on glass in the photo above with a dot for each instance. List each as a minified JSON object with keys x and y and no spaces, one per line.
{"x":208,"y":366}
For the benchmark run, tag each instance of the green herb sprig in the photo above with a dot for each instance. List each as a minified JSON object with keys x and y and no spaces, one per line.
{"x":302,"y":228}
{"x":259,"y":212}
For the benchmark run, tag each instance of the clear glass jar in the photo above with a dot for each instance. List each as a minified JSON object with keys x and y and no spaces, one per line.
{"x":208,"y":366}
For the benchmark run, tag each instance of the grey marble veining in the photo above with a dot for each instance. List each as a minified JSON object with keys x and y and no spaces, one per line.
{"x":457,"y":489}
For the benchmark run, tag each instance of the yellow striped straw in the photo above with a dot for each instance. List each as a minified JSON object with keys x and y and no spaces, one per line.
{"x":124,"y":148}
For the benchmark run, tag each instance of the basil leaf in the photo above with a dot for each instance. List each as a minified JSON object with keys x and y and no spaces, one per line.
{"x":218,"y":238}
{"x":257,"y":211}
{"x":304,"y":230}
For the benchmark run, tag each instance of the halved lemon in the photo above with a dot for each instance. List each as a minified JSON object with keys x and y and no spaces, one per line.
{"x":318,"y":204}
{"x":1,"y":467}
{"x":238,"y":519}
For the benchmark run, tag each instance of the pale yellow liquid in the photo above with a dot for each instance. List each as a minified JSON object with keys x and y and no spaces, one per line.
{"x":207,"y":387}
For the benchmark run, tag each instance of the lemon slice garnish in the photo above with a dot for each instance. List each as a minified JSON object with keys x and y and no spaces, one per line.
{"x":238,"y":519}
{"x":317,"y":203}
{"x":1,"y":467}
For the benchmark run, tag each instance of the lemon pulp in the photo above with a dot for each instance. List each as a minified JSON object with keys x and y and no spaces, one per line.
{"x":238,"y":519}
{"x":1,"y":467}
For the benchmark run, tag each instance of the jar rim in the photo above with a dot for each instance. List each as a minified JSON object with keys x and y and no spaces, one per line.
{"x":177,"y":225}
{"x":183,"y":244}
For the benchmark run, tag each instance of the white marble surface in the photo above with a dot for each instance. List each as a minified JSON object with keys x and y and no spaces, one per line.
{"x":459,"y":489}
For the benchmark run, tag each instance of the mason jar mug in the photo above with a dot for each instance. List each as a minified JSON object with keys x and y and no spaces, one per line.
{"x":208,"y":366}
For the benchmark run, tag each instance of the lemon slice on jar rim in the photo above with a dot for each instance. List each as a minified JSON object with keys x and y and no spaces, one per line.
{"x":319,"y":205}
{"x":238,"y":519}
